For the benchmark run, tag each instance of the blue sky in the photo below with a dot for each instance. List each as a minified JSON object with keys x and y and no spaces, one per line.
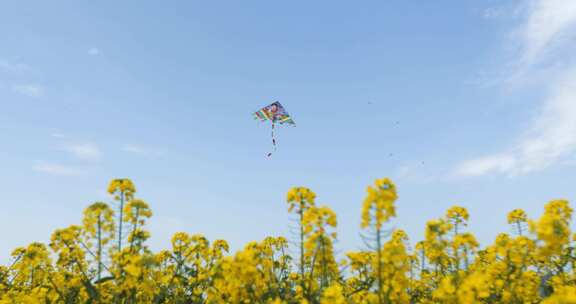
{"x":459,"y":102}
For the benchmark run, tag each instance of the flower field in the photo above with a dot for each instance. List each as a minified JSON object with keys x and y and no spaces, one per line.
{"x":105,"y":259}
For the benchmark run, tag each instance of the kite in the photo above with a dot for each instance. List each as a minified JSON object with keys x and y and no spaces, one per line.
{"x":276,"y":114}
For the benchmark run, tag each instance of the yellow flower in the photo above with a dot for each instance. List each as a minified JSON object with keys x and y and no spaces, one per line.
{"x":333,"y":295}
{"x":122,"y":185}
{"x":300,"y":198}
{"x":517,"y":216}
{"x":457,"y":215}
{"x":378,"y":206}
{"x":448,"y":266}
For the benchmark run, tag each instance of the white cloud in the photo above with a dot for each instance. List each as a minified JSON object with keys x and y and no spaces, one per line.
{"x":14,"y":67}
{"x":413,"y":170}
{"x":546,"y":24}
{"x":57,"y":135}
{"x":138,"y":149}
{"x":57,"y":169}
{"x":83,"y":151}
{"x":494,"y":12}
{"x":133,"y":149}
{"x":417,"y":171}
{"x":405,"y":171}
{"x":94,"y":51}
{"x":29,"y":90}
{"x":551,"y":137}
{"x":480,"y":166}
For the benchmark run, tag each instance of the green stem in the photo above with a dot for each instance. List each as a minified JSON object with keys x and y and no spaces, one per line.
{"x":99,"y":258}
{"x":379,"y":266}
{"x":120,"y":221}
{"x":324,"y":282}
{"x":134,"y":228}
{"x":301,"y":213}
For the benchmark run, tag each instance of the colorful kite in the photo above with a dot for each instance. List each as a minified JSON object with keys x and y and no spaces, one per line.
{"x":276,"y":114}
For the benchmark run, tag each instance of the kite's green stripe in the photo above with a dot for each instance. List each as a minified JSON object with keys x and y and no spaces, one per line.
{"x":264,"y":114}
{"x":260,"y":115}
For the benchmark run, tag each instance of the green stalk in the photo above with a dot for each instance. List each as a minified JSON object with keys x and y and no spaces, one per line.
{"x":120,"y":221}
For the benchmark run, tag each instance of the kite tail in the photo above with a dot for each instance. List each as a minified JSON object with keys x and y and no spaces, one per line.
{"x":273,"y":141}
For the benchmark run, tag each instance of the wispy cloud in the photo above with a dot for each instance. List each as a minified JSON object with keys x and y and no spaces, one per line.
{"x":551,"y":136}
{"x":492,"y":163}
{"x":13,"y":67}
{"x":145,"y":151}
{"x":57,"y":135}
{"x":494,"y":12}
{"x":19,"y":78}
{"x":83,"y":151}
{"x":94,"y":51}
{"x":30,"y":90}
{"x":417,"y":171}
{"x":547,"y":25}
{"x":57,"y":169}
{"x":133,"y":149}
{"x":409,"y":170}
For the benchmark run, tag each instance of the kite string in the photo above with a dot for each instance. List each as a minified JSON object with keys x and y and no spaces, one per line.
{"x":273,"y":140}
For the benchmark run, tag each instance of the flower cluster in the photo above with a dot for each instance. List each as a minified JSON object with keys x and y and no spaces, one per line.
{"x":105,"y":259}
